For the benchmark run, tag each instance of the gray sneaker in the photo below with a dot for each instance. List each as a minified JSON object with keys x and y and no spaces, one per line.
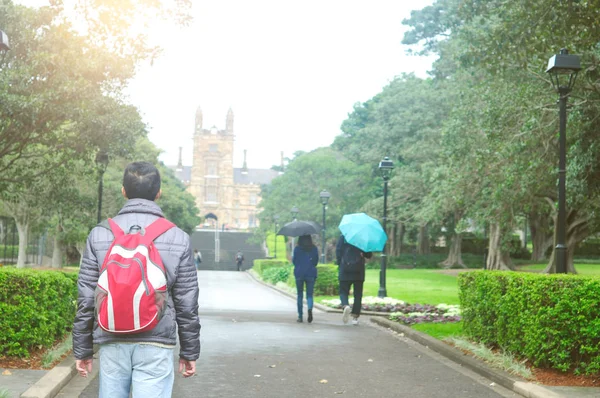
{"x":346,"y":315}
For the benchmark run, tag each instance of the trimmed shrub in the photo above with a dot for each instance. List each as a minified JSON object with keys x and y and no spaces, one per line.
{"x":36,"y":309}
{"x":327,"y":283}
{"x":262,"y":264}
{"x":551,"y":320}
{"x":276,"y":274}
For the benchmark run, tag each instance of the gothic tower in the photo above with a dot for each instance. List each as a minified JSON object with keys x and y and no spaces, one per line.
{"x":212,"y":168}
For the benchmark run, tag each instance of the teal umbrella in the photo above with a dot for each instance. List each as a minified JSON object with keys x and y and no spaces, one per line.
{"x":363,"y":231}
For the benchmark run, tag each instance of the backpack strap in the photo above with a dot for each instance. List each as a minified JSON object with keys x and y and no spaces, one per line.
{"x":157,"y":228}
{"x":115,"y":229}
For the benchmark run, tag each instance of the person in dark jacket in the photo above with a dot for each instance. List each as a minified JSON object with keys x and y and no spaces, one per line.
{"x":140,"y":363}
{"x":305,"y":259}
{"x":351,"y":261}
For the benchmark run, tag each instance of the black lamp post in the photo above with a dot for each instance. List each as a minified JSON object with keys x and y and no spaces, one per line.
{"x":563,"y":69}
{"x":101,"y":163}
{"x":3,"y":42}
{"x":385,"y":168}
{"x":295,"y":212}
{"x":276,"y":219}
{"x":324,"y":195}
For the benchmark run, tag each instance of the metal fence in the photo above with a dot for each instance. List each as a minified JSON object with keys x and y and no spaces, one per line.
{"x":39,"y":247}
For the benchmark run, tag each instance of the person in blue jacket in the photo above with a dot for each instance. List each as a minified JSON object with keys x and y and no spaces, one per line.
{"x":305,"y":259}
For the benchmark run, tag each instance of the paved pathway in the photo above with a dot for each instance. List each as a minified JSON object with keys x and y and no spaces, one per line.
{"x":253,"y":347}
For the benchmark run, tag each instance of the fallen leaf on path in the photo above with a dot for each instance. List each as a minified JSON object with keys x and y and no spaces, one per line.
{"x":401,"y":334}
{"x":256,"y":375}
{"x":272,"y":366}
{"x":323,"y":381}
{"x":339,"y":392}
{"x":6,"y":373}
{"x":369,"y":360}
{"x":493,"y":384}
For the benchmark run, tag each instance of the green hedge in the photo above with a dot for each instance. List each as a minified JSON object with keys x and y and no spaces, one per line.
{"x":36,"y":308}
{"x":551,"y":320}
{"x":261,"y":265}
{"x":277,"y":274}
{"x":327,"y":283}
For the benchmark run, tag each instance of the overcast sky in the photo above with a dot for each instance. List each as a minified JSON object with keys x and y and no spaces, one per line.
{"x":290,"y":70}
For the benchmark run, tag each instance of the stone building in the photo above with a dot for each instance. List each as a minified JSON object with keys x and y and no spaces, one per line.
{"x":231,"y":194}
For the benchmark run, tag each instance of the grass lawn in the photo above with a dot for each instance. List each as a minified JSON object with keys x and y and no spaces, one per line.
{"x":440,"y":330}
{"x":422,"y":286}
{"x":582,"y":269}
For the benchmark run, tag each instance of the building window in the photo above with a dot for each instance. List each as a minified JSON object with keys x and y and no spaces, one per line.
{"x":210,"y":190}
{"x":211,"y":194}
{"x":211,"y":168}
{"x":253,"y":199}
{"x":213,"y":148}
{"x":251,"y":220}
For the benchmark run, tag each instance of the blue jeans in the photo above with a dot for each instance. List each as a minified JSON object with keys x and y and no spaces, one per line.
{"x":146,"y":370}
{"x":310,"y":287}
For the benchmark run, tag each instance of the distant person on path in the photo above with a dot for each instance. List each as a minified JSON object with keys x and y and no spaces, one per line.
{"x":239,"y":260}
{"x":305,"y":259}
{"x":136,"y":350}
{"x":197,"y":258}
{"x":351,"y":261}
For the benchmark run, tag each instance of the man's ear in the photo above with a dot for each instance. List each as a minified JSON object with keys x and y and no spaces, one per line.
{"x":158,"y":195}
{"x":124,"y":193}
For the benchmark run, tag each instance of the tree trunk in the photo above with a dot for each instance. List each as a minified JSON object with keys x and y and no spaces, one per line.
{"x":80,"y":246}
{"x":454,"y":259}
{"x":23,"y":229}
{"x":57,"y":253}
{"x":541,"y":235}
{"x":577,"y":230}
{"x":423,"y":241}
{"x":498,"y":258}
{"x":401,"y":233}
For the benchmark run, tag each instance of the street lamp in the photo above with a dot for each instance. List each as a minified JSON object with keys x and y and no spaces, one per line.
{"x":295,"y":212}
{"x":324,"y":195}
{"x":3,"y":42}
{"x":101,"y":163}
{"x":276,"y":219}
{"x":563,"y":69}
{"x":385,"y":168}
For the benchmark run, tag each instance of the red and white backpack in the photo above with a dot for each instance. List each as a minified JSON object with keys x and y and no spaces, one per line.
{"x":131,"y":295}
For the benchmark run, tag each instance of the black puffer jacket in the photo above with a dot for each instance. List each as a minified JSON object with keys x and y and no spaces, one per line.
{"x":182,"y":282}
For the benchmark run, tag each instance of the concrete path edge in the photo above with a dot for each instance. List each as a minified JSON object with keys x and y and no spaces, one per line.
{"x":52,"y":382}
{"x":526,"y":389}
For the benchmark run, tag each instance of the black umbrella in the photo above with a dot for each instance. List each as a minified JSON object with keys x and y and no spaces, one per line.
{"x":299,"y":228}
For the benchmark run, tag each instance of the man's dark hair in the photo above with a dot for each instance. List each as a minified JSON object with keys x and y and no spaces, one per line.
{"x":141,"y":180}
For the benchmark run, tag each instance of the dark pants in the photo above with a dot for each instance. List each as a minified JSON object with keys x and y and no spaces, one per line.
{"x":358,"y":292}
{"x":310,"y":286}
{"x":239,"y":265}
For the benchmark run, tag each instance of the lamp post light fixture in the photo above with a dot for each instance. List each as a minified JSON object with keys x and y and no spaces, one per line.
{"x":276,"y":219}
{"x":563,"y":69}
{"x":324,"y":195}
{"x":385,"y":168}
{"x":4,"y":42}
{"x":101,"y":163}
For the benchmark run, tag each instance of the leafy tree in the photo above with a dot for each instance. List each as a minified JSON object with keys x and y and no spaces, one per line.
{"x":307,"y":174}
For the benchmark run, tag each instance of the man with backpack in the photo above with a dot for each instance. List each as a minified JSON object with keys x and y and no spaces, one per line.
{"x":239,"y":260}
{"x":351,"y":262}
{"x":138,"y":287}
